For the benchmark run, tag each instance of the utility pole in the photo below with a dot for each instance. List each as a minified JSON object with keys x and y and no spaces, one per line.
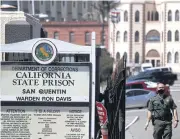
{"x":18,"y":5}
{"x":33,"y":12}
{"x":103,"y":16}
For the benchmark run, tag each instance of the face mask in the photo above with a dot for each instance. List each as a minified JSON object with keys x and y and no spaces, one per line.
{"x":161,"y":91}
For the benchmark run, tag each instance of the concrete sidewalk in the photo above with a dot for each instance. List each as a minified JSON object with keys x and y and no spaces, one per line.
{"x":130,"y":120}
{"x":129,"y":135}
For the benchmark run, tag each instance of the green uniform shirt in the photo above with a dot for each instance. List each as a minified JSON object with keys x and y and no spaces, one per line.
{"x":161,"y":106}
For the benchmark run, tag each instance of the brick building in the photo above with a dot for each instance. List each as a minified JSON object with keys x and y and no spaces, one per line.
{"x":76,"y":32}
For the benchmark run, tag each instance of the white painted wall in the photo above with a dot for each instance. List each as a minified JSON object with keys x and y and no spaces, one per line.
{"x":172,"y":47}
{"x":137,"y":26}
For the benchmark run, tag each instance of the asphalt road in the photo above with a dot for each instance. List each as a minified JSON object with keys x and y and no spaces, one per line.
{"x":136,"y":131}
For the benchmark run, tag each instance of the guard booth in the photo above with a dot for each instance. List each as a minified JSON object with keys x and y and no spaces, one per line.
{"x":52,"y":96}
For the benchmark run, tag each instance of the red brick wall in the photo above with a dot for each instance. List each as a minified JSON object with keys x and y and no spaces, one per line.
{"x":79,"y":29}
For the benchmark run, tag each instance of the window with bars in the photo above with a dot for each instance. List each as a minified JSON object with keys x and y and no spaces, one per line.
{"x":169,"y":57}
{"x":56,"y":35}
{"x":169,"y":36}
{"x":156,"y":16}
{"x":137,"y":14}
{"x":136,"y":57}
{"x":169,"y":15}
{"x":125,"y":16}
{"x":176,"y":57}
{"x":87,"y":37}
{"x":71,"y":37}
{"x":125,"y":36}
{"x":137,"y":36}
{"x":118,"y":36}
{"x":177,"y":15}
{"x":148,"y":16}
{"x":177,"y":35}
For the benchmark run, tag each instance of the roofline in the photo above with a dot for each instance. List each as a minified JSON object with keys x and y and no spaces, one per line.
{"x":74,"y":23}
{"x":150,"y":2}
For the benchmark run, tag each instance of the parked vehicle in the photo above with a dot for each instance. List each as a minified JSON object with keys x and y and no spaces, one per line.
{"x":145,"y":66}
{"x":156,"y":69}
{"x":155,"y":76}
{"x":146,"y":85}
{"x":138,"y":98}
{"x":141,"y":84}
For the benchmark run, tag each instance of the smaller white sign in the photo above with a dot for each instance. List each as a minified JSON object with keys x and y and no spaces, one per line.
{"x":34,"y":122}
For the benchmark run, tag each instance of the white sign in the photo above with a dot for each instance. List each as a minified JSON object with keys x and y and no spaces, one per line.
{"x":34,"y":122}
{"x":45,"y":83}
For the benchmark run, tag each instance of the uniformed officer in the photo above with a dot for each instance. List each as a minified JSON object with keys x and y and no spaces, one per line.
{"x":159,"y":111}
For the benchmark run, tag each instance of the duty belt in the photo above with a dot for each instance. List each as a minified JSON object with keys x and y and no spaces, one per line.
{"x":162,"y":118}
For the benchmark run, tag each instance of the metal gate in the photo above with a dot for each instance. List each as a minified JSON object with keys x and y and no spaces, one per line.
{"x":115,"y":101}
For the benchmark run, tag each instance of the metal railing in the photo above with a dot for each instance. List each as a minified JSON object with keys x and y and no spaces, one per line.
{"x":115,"y":101}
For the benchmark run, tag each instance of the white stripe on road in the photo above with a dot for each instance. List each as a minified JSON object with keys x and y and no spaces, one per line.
{"x":135,"y":119}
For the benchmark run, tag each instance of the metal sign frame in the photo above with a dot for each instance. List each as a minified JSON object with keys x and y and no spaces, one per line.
{"x":62,"y":48}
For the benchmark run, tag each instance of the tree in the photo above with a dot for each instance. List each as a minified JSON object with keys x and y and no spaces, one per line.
{"x":106,"y":61}
{"x":104,"y":7}
{"x":106,"y":65}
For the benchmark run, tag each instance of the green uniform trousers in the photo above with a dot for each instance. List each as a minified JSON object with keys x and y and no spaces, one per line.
{"x":162,"y":129}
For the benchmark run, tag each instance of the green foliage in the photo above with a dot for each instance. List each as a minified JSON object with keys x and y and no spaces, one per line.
{"x":106,"y":65}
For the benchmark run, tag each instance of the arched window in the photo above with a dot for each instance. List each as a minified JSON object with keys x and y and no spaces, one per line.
{"x":125,"y":55}
{"x":56,"y":35}
{"x":136,"y":57}
{"x":118,"y":36}
{"x":169,"y":15}
{"x":177,"y":15}
{"x":177,"y":35}
{"x":137,"y":16}
{"x":125,"y":36}
{"x":117,"y":56}
{"x":87,"y":38}
{"x":149,"y":16}
{"x":169,"y":57}
{"x":153,"y":53}
{"x":153,"y":36}
{"x":136,"y":36}
{"x":176,"y":57}
{"x":169,"y":36}
{"x":125,"y":16}
{"x":152,"y":16}
{"x":156,"y":16}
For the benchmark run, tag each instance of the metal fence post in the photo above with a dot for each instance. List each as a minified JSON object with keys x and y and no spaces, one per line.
{"x":115,"y":101}
{"x":97,"y":86}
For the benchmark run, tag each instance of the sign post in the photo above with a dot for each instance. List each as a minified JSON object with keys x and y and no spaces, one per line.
{"x":48,"y":99}
{"x":103,"y":118}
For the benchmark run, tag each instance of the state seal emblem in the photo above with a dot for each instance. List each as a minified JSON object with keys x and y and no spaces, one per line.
{"x":44,"y":52}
